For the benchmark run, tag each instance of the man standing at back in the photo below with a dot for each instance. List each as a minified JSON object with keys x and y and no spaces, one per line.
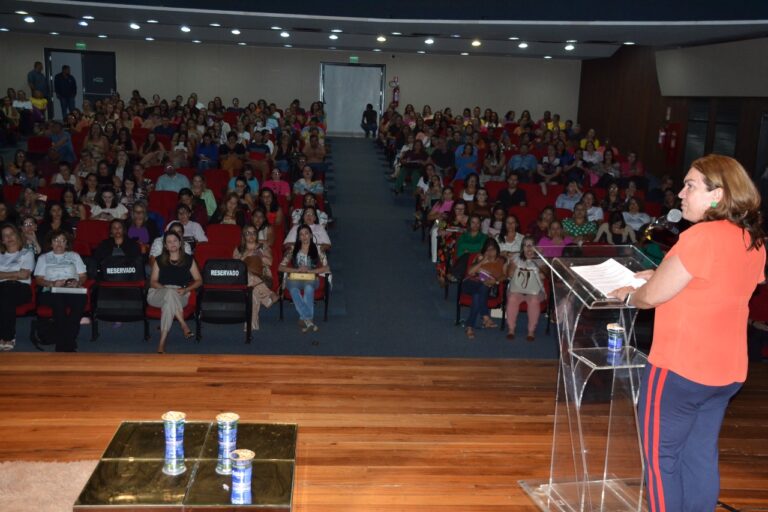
{"x":66,"y":89}
{"x":37,"y":82}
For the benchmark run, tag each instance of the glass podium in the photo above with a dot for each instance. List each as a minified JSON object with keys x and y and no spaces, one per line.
{"x":596,"y":459}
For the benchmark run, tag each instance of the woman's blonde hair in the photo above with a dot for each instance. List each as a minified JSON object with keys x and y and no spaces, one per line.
{"x":741,"y":200}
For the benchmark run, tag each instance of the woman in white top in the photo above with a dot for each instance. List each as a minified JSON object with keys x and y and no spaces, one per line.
{"x":107,"y":207}
{"x":493,"y":225}
{"x":510,"y":240}
{"x":319,"y":234}
{"x":525,"y":285}
{"x":61,"y":268}
{"x":65,"y":176}
{"x":594,"y":213}
{"x":192,"y":229}
{"x":16,"y":266}
{"x":634,"y":217}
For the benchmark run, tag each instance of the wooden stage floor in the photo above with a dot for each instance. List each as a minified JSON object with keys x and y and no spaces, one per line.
{"x":374,"y":434}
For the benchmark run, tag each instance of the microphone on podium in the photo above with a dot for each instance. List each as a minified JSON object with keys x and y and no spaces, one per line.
{"x":665,"y":222}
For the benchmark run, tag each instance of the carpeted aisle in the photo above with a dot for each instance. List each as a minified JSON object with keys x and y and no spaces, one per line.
{"x":42,"y":486}
{"x":385,"y":300}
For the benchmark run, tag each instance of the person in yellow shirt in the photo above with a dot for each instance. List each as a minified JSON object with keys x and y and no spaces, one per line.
{"x":39,"y":106}
{"x":590,"y":138}
{"x":555,"y":121}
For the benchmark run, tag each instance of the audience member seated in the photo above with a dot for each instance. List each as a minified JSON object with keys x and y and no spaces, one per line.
{"x":264,"y":233}
{"x":95,"y":143}
{"x":277,"y":185}
{"x":670,"y":202}
{"x":174,"y":276}
{"x":61,"y":144}
{"x":104,"y":175}
{"x":552,"y":245}
{"x":448,"y":233}
{"x":471,"y":186}
{"x":465,"y":157}
{"x":152,"y":151}
{"x":540,"y":227}
{"x":469,"y":242}
{"x":526,"y":284}
{"x":309,"y":200}
{"x":284,"y":152}
{"x":494,"y":165}
{"x":594,"y":213}
{"x":411,"y":165}
{"x":87,"y":165}
{"x":480,"y":206}
{"x":258,"y":145}
{"x":268,"y":200}
{"x":141,"y":229}
{"x":16,"y":266}
{"x":196,"y":207}
{"x":509,"y":239}
{"x":248,"y":176}
{"x":107,"y":207}
{"x":485,"y":274}
{"x":570,"y":196}
{"x":156,"y":249}
{"x":257,"y":256}
{"x":524,"y":164}
{"x":493,"y":225}
{"x":201,"y":192}
{"x":633,"y":169}
{"x":74,"y":209}
{"x":193,"y":231}
{"x":615,"y":231}
{"x":30,"y":204}
{"x":130,"y":194}
{"x":207,"y":153}
{"x":319,"y":234}
{"x":61,"y":268}
{"x":118,"y":244}
{"x":29,"y":235}
{"x":438,"y":216}
{"x":511,"y":196}
{"x":578,"y":226}
{"x":56,"y":219}
{"x":305,"y":258}
{"x":171,"y":181}
{"x":550,"y":170}
{"x":657,"y":194}
{"x":230,"y":211}
{"x":315,"y":153}
{"x":634,"y":216}
{"x":613,"y":201}
{"x":443,"y":158}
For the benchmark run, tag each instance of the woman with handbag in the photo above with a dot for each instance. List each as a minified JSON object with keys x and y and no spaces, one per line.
{"x":303,"y":266}
{"x":482,"y":277}
{"x":256,"y":253}
{"x":525,"y":285}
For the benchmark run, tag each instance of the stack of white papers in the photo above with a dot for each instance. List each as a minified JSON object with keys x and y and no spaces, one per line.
{"x":608,"y":276}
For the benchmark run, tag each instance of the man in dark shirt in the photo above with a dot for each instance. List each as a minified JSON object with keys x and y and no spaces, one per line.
{"x":37,"y":82}
{"x":511,"y":196}
{"x":165,"y":127}
{"x":442,"y":158}
{"x":66,"y":89}
{"x":368,"y":123}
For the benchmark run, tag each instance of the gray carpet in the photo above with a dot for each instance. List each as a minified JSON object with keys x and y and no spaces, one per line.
{"x":385,"y":299}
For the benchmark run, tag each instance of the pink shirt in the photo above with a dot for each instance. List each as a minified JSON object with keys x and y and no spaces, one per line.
{"x":549,"y":249}
{"x":443,"y":208}
{"x":279,"y":187}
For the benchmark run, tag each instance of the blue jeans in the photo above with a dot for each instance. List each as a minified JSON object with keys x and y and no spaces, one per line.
{"x":479,"y":293}
{"x":67,"y":106}
{"x":369,"y":128}
{"x":679,"y":426}
{"x":304,"y":304}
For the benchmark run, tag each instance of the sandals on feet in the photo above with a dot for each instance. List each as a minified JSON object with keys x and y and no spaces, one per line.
{"x":470,"y":333}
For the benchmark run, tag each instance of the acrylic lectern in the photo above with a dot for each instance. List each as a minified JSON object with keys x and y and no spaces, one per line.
{"x":596,"y":460}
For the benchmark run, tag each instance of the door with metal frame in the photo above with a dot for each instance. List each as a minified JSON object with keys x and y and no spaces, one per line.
{"x":99,"y":80}
{"x":345,"y":90}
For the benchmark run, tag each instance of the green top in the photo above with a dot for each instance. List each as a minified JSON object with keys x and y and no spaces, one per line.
{"x":468,"y":243}
{"x":573,"y":229}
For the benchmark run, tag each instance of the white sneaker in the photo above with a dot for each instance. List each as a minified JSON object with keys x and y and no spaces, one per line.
{"x":7,"y":345}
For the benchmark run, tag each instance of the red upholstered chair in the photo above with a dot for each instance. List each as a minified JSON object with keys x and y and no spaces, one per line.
{"x":153,"y":172}
{"x":225,"y":235}
{"x":38,"y":145}
{"x":119,"y":294}
{"x":493,"y":188}
{"x":563,"y":213}
{"x":11,"y":194}
{"x":92,"y":232}
{"x":457,"y":186}
{"x":653,"y":209}
{"x":217,"y":180}
{"x":525,"y":216}
{"x":52,"y":193}
{"x":322,"y":293}
{"x":165,"y":140}
{"x":140,"y":135}
{"x":155,"y":313}
{"x":231,"y":118}
{"x":46,"y":312}
{"x":465,"y":300}
{"x":163,"y":203}
{"x":189,"y":172}
{"x":29,"y":307}
{"x":208,"y":250}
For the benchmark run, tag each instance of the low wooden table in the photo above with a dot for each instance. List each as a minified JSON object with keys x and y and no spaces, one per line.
{"x":129,"y":475}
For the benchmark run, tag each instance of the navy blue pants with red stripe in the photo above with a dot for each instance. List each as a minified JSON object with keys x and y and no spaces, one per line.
{"x":679,"y":425}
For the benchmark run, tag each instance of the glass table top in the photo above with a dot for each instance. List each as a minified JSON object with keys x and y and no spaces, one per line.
{"x":130,"y":474}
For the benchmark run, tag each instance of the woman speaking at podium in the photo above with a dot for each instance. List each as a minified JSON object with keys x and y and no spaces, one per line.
{"x":698,"y":359}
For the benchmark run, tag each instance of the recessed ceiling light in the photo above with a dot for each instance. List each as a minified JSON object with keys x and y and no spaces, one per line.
{"x":569,"y":47}
{"x":476,"y":43}
{"x":336,"y":30}
{"x":377,"y":49}
{"x":429,"y":40}
{"x":102,"y":36}
{"x":23,"y":13}
{"x":284,"y":34}
{"x":4,"y":29}
{"x":288,"y":46}
{"x":523,"y":45}
{"x":396,"y":33}
{"x":149,"y":38}
{"x":135,"y":26}
{"x":275,"y":27}
{"x":381,"y":39}
{"x":88,"y":17}
{"x":547,"y":57}
{"x":214,"y":24}
{"x":333,"y":37}
{"x":513,"y":38}
{"x":421,"y":51}
{"x":241,"y":43}
{"x":152,"y":21}
{"x":196,"y":41}
{"x":571,"y":41}
{"x":455,"y":36}
{"x":464,"y":54}
{"x":29,"y":19}
{"x":235,"y":31}
{"x":185,"y":28}
{"x":629,"y":43}
{"x":82,"y":23}
{"x":54,"y":33}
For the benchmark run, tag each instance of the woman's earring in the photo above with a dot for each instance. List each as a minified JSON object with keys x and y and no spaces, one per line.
{"x":713,"y":204}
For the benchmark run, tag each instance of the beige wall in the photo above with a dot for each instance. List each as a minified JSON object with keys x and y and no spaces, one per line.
{"x":728,"y":69}
{"x":280,"y":75}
